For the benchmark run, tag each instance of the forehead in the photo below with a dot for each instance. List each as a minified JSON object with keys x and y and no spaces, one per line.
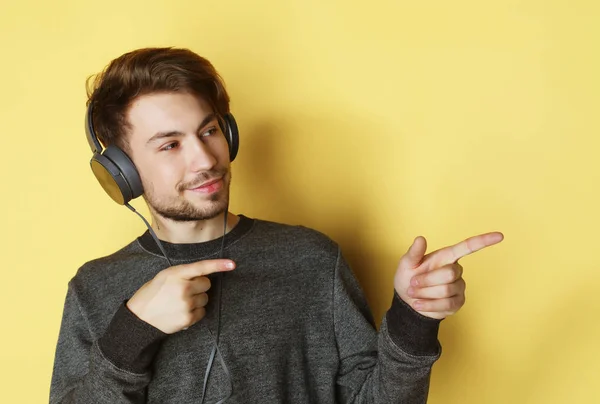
{"x":163,"y":112}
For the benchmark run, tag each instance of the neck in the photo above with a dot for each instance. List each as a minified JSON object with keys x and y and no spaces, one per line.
{"x":192,"y":232}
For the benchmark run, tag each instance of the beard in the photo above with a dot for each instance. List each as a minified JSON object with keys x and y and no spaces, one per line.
{"x":179,"y":209}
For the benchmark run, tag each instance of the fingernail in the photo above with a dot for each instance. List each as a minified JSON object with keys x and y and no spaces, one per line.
{"x":414,"y":282}
{"x":418,"y":305}
{"x":230,"y":265}
{"x":410,"y":291}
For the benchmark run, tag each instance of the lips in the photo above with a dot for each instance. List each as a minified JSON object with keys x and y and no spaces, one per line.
{"x":208,"y":183}
{"x":209,"y":186}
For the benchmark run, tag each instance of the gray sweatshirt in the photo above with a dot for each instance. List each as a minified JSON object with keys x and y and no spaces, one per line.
{"x":295,"y":328}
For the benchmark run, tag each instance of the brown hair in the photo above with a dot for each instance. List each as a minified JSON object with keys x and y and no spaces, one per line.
{"x":145,"y":71}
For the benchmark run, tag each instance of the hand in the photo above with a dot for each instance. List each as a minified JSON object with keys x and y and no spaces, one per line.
{"x":432,"y":284}
{"x":175,"y":298}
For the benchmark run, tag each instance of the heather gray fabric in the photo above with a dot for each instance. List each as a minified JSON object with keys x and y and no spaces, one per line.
{"x":295,"y":328}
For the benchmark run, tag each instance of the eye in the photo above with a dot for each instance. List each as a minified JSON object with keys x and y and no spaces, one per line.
{"x":170,"y":146}
{"x":209,"y":132}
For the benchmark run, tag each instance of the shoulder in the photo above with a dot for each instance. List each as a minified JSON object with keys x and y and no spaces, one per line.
{"x":101,"y":272}
{"x":301,"y":238}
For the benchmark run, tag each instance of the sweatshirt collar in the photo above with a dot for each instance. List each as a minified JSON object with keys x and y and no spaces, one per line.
{"x":191,"y":251}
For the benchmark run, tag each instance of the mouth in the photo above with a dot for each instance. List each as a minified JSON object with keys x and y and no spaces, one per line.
{"x":209,"y":186}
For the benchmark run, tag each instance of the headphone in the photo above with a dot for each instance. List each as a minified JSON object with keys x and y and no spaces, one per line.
{"x":116,"y":172}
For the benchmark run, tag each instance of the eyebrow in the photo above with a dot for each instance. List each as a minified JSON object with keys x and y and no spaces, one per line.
{"x":173,"y":133}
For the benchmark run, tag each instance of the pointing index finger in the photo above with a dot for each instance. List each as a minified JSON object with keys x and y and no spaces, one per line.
{"x":473,"y":244}
{"x":206,"y":267}
{"x":452,"y":254}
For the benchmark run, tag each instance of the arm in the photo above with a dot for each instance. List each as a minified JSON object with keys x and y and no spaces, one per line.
{"x":115,"y":368}
{"x":112,"y":369}
{"x":392,"y":366}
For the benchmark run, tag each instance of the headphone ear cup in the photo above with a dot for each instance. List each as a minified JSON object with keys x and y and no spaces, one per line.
{"x":109,"y":177}
{"x":117,"y":174}
{"x":232,"y":135}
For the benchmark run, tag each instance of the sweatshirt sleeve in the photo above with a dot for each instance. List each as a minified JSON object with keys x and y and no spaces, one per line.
{"x":392,"y":366}
{"x":114,"y":369}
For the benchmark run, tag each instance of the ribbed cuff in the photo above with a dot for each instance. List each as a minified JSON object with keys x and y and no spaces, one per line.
{"x":411,"y":331}
{"x":129,"y":342}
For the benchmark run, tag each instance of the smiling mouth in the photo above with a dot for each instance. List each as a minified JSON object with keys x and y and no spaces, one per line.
{"x":207,"y":183}
{"x":209,"y":186}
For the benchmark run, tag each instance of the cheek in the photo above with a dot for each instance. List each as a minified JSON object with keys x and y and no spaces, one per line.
{"x":159,"y":178}
{"x":221,"y":151}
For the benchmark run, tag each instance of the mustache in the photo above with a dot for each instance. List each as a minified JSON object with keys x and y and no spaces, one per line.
{"x":202,"y":178}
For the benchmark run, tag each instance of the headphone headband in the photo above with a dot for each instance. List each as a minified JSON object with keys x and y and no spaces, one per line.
{"x":89,"y":130}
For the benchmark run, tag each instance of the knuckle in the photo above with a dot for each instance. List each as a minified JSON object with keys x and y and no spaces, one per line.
{"x":200,"y":313}
{"x":418,"y":279}
{"x":460,"y":285}
{"x":182,"y":321}
{"x":186,"y":288}
{"x":202,"y":283}
{"x":188,"y":319}
{"x":181,"y":296}
{"x":185,"y":306}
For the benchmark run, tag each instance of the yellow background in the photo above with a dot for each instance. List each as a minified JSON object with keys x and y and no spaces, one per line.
{"x":373,"y":122}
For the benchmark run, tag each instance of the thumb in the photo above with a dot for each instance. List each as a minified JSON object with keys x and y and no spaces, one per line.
{"x":416,"y":252}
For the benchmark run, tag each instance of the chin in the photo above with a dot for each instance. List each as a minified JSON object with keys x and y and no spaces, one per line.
{"x":202,"y":202}
{"x":210,"y":209}
{"x":186,"y":210}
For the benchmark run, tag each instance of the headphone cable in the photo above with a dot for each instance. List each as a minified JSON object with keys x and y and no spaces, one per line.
{"x":162,"y":249}
{"x":215,"y":350}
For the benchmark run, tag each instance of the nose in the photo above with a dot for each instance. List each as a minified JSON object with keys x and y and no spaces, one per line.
{"x":200,"y":157}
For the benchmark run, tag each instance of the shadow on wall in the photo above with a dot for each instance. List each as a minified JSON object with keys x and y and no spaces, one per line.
{"x":269,"y":152}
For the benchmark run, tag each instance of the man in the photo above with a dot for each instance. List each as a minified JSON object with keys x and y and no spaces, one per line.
{"x":281,"y":304}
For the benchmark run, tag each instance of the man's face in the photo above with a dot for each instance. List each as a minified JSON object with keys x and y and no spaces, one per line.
{"x":181,"y":154}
